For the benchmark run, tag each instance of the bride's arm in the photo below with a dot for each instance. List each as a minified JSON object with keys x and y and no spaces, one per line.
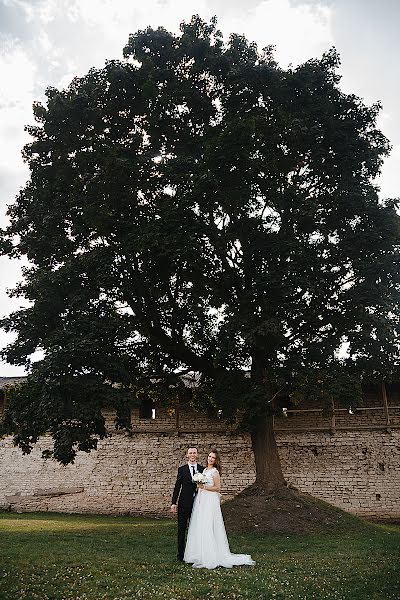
{"x":216,"y":487}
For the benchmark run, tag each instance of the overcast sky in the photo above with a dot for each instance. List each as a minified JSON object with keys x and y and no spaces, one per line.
{"x":48,"y":42}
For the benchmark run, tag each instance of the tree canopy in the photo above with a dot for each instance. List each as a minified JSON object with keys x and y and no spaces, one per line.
{"x":195,"y":207}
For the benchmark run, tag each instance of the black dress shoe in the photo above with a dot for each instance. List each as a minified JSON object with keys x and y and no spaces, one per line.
{"x":180,"y":558}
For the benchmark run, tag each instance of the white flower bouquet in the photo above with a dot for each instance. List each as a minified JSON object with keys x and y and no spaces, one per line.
{"x":199,"y":478}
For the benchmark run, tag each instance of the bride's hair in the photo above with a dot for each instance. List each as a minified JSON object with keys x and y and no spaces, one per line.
{"x":217,"y":463}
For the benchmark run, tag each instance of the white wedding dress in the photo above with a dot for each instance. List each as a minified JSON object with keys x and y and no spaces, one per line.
{"x":207,"y":544}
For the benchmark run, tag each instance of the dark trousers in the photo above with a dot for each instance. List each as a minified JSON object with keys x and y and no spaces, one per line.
{"x":183,"y":520}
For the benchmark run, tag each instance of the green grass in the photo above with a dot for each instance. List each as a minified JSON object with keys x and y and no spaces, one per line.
{"x":52,"y":556}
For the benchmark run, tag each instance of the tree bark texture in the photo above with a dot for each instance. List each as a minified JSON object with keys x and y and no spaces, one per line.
{"x":268,"y":466}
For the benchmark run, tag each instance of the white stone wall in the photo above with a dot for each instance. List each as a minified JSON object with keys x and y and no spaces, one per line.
{"x":358,"y":471}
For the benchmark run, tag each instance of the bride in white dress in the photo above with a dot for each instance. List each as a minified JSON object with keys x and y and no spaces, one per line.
{"x":207,"y":544}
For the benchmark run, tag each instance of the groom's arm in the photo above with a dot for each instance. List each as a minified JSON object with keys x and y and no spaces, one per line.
{"x":176,"y":491}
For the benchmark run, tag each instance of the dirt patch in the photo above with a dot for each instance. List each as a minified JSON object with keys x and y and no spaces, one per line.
{"x":284,"y":511}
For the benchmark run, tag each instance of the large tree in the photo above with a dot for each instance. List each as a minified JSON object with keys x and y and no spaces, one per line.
{"x":196,"y":208}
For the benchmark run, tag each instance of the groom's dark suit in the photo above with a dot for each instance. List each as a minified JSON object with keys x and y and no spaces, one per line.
{"x":185,"y":489}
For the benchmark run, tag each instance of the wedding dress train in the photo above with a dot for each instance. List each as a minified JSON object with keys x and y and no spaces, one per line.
{"x":207,"y":544}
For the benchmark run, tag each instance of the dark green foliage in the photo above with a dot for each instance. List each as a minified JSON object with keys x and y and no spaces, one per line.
{"x":197,"y":208}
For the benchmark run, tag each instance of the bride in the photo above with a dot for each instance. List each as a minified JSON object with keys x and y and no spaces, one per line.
{"x":207,"y":545}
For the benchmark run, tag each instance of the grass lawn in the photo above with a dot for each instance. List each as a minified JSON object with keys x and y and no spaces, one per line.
{"x":53,"y":556}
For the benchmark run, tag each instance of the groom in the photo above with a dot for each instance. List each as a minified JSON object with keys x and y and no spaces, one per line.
{"x":185,"y":489}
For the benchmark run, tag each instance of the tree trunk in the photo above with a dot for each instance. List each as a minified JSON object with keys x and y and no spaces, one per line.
{"x":269,"y":475}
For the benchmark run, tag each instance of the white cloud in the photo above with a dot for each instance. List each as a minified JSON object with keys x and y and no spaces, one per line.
{"x":299,"y":32}
{"x":16,"y":98}
{"x":26,"y":6}
{"x":17,"y":70}
{"x":389,"y":179}
{"x":10,"y":273}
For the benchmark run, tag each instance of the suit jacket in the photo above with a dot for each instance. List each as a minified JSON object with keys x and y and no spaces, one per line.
{"x":184,"y":488}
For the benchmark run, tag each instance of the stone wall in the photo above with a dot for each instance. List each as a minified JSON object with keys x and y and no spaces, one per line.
{"x":355,"y":469}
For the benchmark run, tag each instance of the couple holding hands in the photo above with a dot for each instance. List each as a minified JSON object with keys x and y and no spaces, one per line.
{"x":196,"y":499}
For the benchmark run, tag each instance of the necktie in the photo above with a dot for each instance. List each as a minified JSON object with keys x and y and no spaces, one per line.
{"x":193,"y":470}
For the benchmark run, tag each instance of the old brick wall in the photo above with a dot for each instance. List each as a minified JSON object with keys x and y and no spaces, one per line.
{"x":357,"y":470}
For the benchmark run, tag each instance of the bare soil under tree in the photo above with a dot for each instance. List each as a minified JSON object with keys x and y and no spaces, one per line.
{"x":284,"y":511}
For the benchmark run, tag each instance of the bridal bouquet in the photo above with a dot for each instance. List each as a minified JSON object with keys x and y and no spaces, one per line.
{"x":199,"y":478}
